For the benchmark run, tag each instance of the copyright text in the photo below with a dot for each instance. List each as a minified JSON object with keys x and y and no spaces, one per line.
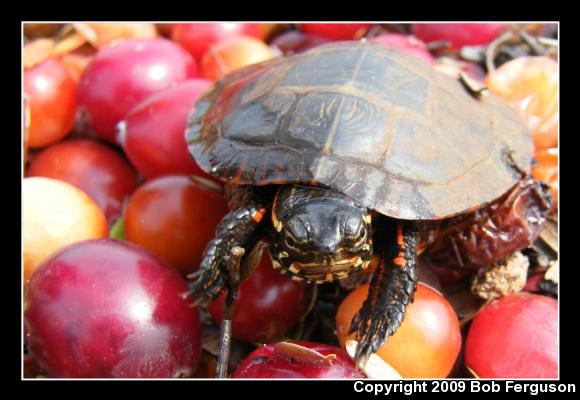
{"x":453,"y":386}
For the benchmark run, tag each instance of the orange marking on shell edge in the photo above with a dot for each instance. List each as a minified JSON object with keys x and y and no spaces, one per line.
{"x":238,"y":177}
{"x":259,"y":215}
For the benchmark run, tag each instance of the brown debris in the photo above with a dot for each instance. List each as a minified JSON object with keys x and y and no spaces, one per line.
{"x":303,"y":354}
{"x":502,"y":278}
{"x":475,"y":88}
{"x":100,"y":35}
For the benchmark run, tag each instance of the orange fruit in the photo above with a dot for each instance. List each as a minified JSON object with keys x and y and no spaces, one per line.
{"x":426,"y":344}
{"x":530,"y":85}
{"x":546,"y":170}
{"x":233,"y":53}
{"x":56,"y":214}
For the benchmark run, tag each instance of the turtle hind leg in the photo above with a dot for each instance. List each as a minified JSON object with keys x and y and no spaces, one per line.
{"x":391,"y":289}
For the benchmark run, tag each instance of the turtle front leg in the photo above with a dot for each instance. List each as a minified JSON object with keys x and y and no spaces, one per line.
{"x":237,"y":230}
{"x":221,"y":268}
{"x":391,"y":289}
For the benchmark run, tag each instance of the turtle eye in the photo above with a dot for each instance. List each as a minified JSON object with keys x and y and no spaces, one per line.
{"x":360,"y":237}
{"x":362,"y":232}
{"x":290,"y":242}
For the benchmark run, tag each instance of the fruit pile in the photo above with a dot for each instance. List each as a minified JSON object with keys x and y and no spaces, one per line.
{"x":116,"y":213}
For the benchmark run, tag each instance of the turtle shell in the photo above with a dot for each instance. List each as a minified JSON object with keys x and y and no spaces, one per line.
{"x":368,"y":121}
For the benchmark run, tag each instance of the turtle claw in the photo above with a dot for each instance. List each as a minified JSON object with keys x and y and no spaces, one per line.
{"x":369,"y":338}
{"x":390,"y":291}
{"x":372,"y":331}
{"x":195,"y":275}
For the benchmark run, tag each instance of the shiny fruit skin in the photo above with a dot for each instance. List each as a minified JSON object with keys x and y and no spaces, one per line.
{"x":153,"y":132}
{"x":515,"y":337}
{"x":268,"y":304}
{"x":458,"y":34}
{"x":95,"y":168}
{"x":198,"y":38}
{"x":408,"y":44}
{"x":531,"y":86}
{"x":231,"y":54}
{"x":55,"y":214}
{"x":426,"y":344}
{"x":122,"y":75}
{"x":335,"y":31}
{"x":265,"y":362}
{"x":107,"y":309}
{"x":51,"y":91}
{"x":174,"y":218}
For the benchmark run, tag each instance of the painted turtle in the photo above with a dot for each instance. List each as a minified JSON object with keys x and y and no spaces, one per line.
{"x":352,"y":150}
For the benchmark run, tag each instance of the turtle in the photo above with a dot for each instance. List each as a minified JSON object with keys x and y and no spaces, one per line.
{"x":352,"y":155}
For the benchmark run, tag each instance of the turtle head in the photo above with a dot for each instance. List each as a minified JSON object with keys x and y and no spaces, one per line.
{"x":319,"y":235}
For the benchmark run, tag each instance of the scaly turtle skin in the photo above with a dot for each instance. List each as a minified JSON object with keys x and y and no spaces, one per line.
{"x":353,"y":150}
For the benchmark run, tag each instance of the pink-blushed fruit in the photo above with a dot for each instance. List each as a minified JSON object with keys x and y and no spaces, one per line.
{"x":233,"y":53}
{"x":458,"y":35}
{"x":122,"y":75}
{"x":408,"y":44}
{"x":198,"y":38}
{"x":95,"y":168}
{"x":346,"y":31}
{"x":108,"y":309}
{"x":153,"y":132}
{"x":51,"y":93}
{"x":294,"y":42}
{"x":302,"y":360}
